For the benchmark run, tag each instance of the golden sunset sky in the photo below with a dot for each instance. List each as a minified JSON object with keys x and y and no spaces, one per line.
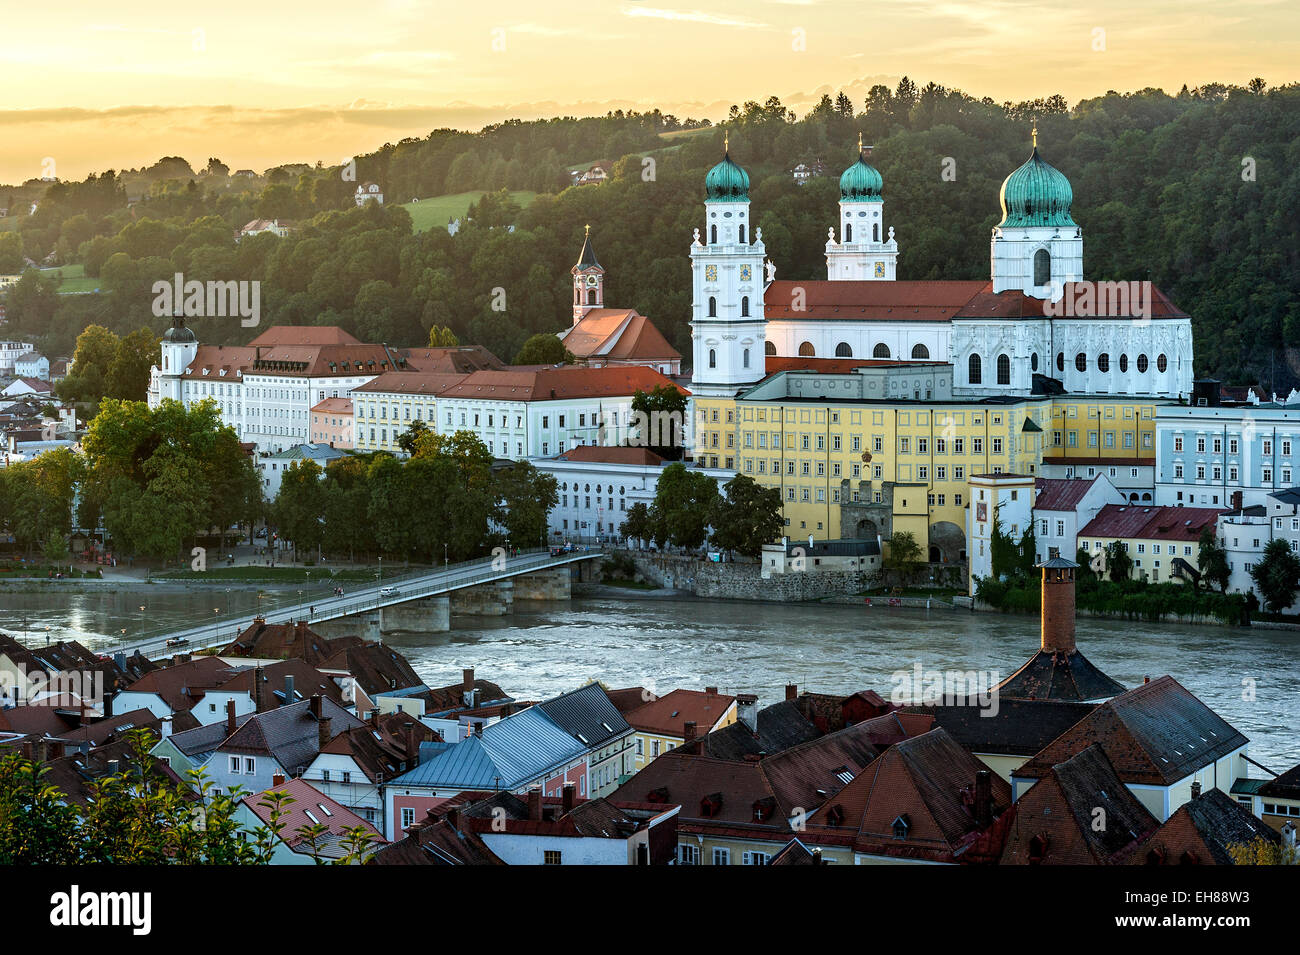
{"x":93,"y":85}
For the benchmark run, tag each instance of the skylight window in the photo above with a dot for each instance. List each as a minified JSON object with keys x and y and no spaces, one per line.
{"x":310,"y":815}
{"x":324,"y":809}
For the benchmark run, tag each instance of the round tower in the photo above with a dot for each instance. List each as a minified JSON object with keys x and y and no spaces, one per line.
{"x":1058,"y":606}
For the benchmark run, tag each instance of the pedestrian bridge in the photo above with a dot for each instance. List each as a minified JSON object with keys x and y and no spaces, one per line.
{"x":413,"y":601}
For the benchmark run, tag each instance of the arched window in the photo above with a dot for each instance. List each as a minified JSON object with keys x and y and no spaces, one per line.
{"x":769,"y":348}
{"x":1004,"y":370}
{"x":974,"y":370}
{"x":713,"y":234}
{"x":875,"y":232}
{"x":1042,"y":267}
{"x":880,"y":351}
{"x":806,"y":350}
{"x":744,"y":306}
{"x":1081,"y":361}
{"x":920,"y":351}
{"x":1123,"y":364}
{"x":591,"y":297}
{"x":848,"y":232}
{"x":1103,"y":362}
{"x":744,"y":361}
{"x":1142,"y":364}
{"x":842,"y":350}
{"x":1033,"y":362}
{"x":1060,"y":361}
{"x":713,"y":307}
{"x":742,"y":234}
{"x":1162,"y":363}
{"x":713,"y":358}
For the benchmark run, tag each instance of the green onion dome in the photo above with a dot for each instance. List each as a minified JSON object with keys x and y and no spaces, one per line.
{"x":861,"y":182}
{"x":1036,"y":194}
{"x":727,"y":182}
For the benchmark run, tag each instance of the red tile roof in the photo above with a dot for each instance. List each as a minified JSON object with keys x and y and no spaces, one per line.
{"x":619,"y":334}
{"x":411,"y":383}
{"x":303,"y":335}
{"x":560,"y":382}
{"x":608,"y":454}
{"x":336,"y":818}
{"x":1151,"y":522}
{"x":881,"y":301}
{"x":669,"y":714}
{"x":1060,"y":494}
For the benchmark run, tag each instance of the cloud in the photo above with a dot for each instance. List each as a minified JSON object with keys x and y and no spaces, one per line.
{"x":692,"y":16}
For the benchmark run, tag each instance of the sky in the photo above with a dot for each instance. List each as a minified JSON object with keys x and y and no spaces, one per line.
{"x":94,"y":86}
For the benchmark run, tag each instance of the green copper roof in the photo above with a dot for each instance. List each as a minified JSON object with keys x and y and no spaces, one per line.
{"x":726,"y":182}
{"x":861,"y":182}
{"x":1036,"y":194}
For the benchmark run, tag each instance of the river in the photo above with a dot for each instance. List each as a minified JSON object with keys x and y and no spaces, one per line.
{"x":661,"y":643}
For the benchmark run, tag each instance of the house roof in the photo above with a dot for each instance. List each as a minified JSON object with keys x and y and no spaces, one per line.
{"x":411,"y":383}
{"x":928,"y":783}
{"x":307,"y":682}
{"x":290,"y":735}
{"x":284,"y":640}
{"x":1202,"y":831}
{"x":630,"y":698}
{"x":556,"y":382}
{"x":669,"y":713}
{"x":181,"y":685}
{"x":451,"y":359}
{"x":1286,"y":786}
{"x":1156,"y":734}
{"x":1017,"y":728}
{"x":1151,"y":522}
{"x":1061,"y":494}
{"x":333,"y":406}
{"x":201,"y":742}
{"x":1057,"y":675}
{"x":617,"y":333}
{"x":310,"y":807}
{"x":309,"y":335}
{"x":882,"y":301}
{"x":611,"y":454}
{"x":780,"y":726}
{"x":587,"y":714}
{"x":1059,"y":813}
{"x":384,"y":746}
{"x":374,"y":665}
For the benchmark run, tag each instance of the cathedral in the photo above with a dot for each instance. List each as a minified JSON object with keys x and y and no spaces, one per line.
{"x":1036,"y":326}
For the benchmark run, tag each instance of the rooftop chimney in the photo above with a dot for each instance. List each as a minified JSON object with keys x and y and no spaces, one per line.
{"x":290,"y":694}
{"x":259,"y":677}
{"x":535,"y":803}
{"x":711,"y":690}
{"x":166,"y":727}
{"x":467,"y":686}
{"x":323,"y":734}
{"x":374,"y":717}
{"x":747,"y":710}
{"x":688,"y":730}
{"x":453,"y":817}
{"x":315,"y":705}
{"x":983,"y":798}
{"x":113,"y":766}
{"x":792,"y":691}
{"x":1196,"y":790}
{"x":277,"y":780}
{"x":1058,"y":607}
{"x":230,"y":717}
{"x":566,"y":798}
{"x":412,"y":744}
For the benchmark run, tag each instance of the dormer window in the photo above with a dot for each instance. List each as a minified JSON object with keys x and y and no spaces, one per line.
{"x":711,"y":805}
{"x":901,"y":825}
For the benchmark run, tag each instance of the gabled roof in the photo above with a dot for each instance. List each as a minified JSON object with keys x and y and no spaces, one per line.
{"x":669,"y":713}
{"x":383,"y":747}
{"x":182,"y":685}
{"x":883,"y":301}
{"x":617,"y":333}
{"x":586,"y":714}
{"x":1061,"y":494}
{"x":927,"y":782}
{"x":780,"y":726}
{"x":1055,"y":822}
{"x":311,"y":335}
{"x":307,"y":682}
{"x":374,"y":665}
{"x":289,"y":735}
{"x":556,"y":382}
{"x":1152,"y":522}
{"x":1155,"y":734}
{"x":202,"y":741}
{"x":1057,"y":675}
{"x":1017,"y":728}
{"x":1202,"y":831}
{"x":310,"y":807}
{"x":1285,"y":786}
{"x":410,"y":383}
{"x":612,"y":454}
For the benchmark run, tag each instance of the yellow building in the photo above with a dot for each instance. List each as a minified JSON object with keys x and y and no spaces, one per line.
{"x":1102,"y":426}
{"x":663,"y":724}
{"x":1153,"y":537}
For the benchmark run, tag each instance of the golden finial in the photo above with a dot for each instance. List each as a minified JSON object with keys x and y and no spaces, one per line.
{"x":588,"y":228}
{"x":726,"y":141}
{"x":1034,"y":132}
{"x":859,"y":141}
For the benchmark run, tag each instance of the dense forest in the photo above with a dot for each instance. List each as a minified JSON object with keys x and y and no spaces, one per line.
{"x":1197,"y":192}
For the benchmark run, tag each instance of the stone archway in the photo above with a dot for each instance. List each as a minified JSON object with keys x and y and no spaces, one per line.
{"x":948,"y":542}
{"x":866,"y":530}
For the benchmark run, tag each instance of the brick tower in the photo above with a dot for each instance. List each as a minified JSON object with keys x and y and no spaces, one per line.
{"x":1058,"y":606}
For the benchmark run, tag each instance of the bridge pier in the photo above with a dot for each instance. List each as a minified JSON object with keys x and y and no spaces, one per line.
{"x":555,"y":583}
{"x":426,"y":615}
{"x":485,"y":600}
{"x":367,"y":625}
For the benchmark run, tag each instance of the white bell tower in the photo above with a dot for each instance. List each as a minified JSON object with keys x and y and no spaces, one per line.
{"x":727,"y":324}
{"x":864,"y":251}
{"x":588,"y":281}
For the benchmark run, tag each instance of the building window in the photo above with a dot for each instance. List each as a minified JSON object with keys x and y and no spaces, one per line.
{"x":973,"y":370}
{"x":713,"y":306}
{"x":721,"y":856}
{"x":713,"y":358}
{"x":842,"y":350}
{"x":1042,"y":267}
{"x":408,"y":818}
{"x":806,"y":350}
{"x":1081,"y":362}
{"x":744,"y":306}
{"x":920,"y":351}
{"x":551,"y":857}
{"x":1004,"y":370}
{"x":880,"y":351}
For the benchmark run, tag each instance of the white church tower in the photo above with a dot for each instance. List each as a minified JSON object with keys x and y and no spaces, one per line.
{"x":727,"y":330}
{"x":864,"y":251}
{"x":1037,"y":247}
{"x":178,"y":347}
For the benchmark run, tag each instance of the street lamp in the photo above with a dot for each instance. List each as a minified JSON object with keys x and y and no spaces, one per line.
{"x":445,"y":558}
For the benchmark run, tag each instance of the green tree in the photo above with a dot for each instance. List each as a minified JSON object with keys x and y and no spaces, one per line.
{"x":658,"y":421}
{"x":746,"y":516}
{"x":543,"y":348}
{"x":300,"y":506}
{"x":407,"y":439}
{"x":682,"y":506}
{"x":440,"y":336}
{"x":638,"y":526}
{"x":1277,"y":575}
{"x":904,"y":555}
{"x":88,"y":379}
{"x":1119,"y":565}
{"x":1003,"y":551}
{"x":1212,"y":561}
{"x":11,"y":253}
{"x":527,"y":496}
{"x":127,"y":376}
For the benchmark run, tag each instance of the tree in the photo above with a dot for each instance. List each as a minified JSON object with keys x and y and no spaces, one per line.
{"x":527,"y":496}
{"x":1277,"y":576}
{"x":746,"y":516}
{"x":543,"y":349}
{"x":1003,"y":551}
{"x":127,"y":376}
{"x":440,"y":336}
{"x":658,"y":421}
{"x":904,"y":555}
{"x":300,"y":506}
{"x":407,"y":440}
{"x":1212,"y":561}
{"x":637,"y":526}
{"x":1028,"y":552}
{"x":1118,"y":563}
{"x":87,"y":381}
{"x":682,"y":506}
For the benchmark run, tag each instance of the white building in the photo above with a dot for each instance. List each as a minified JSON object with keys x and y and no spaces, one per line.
{"x":1005,"y":498}
{"x":1134,"y":478}
{"x":271,"y":468}
{"x":369,"y":192}
{"x":1061,"y":507}
{"x":32,"y":365}
{"x":10,"y":352}
{"x":597,"y":486}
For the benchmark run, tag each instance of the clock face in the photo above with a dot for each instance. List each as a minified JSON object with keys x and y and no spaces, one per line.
{"x":880,"y":270}
{"x":745,"y":273}
{"x":592,"y":281}
{"x":710,"y":273}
